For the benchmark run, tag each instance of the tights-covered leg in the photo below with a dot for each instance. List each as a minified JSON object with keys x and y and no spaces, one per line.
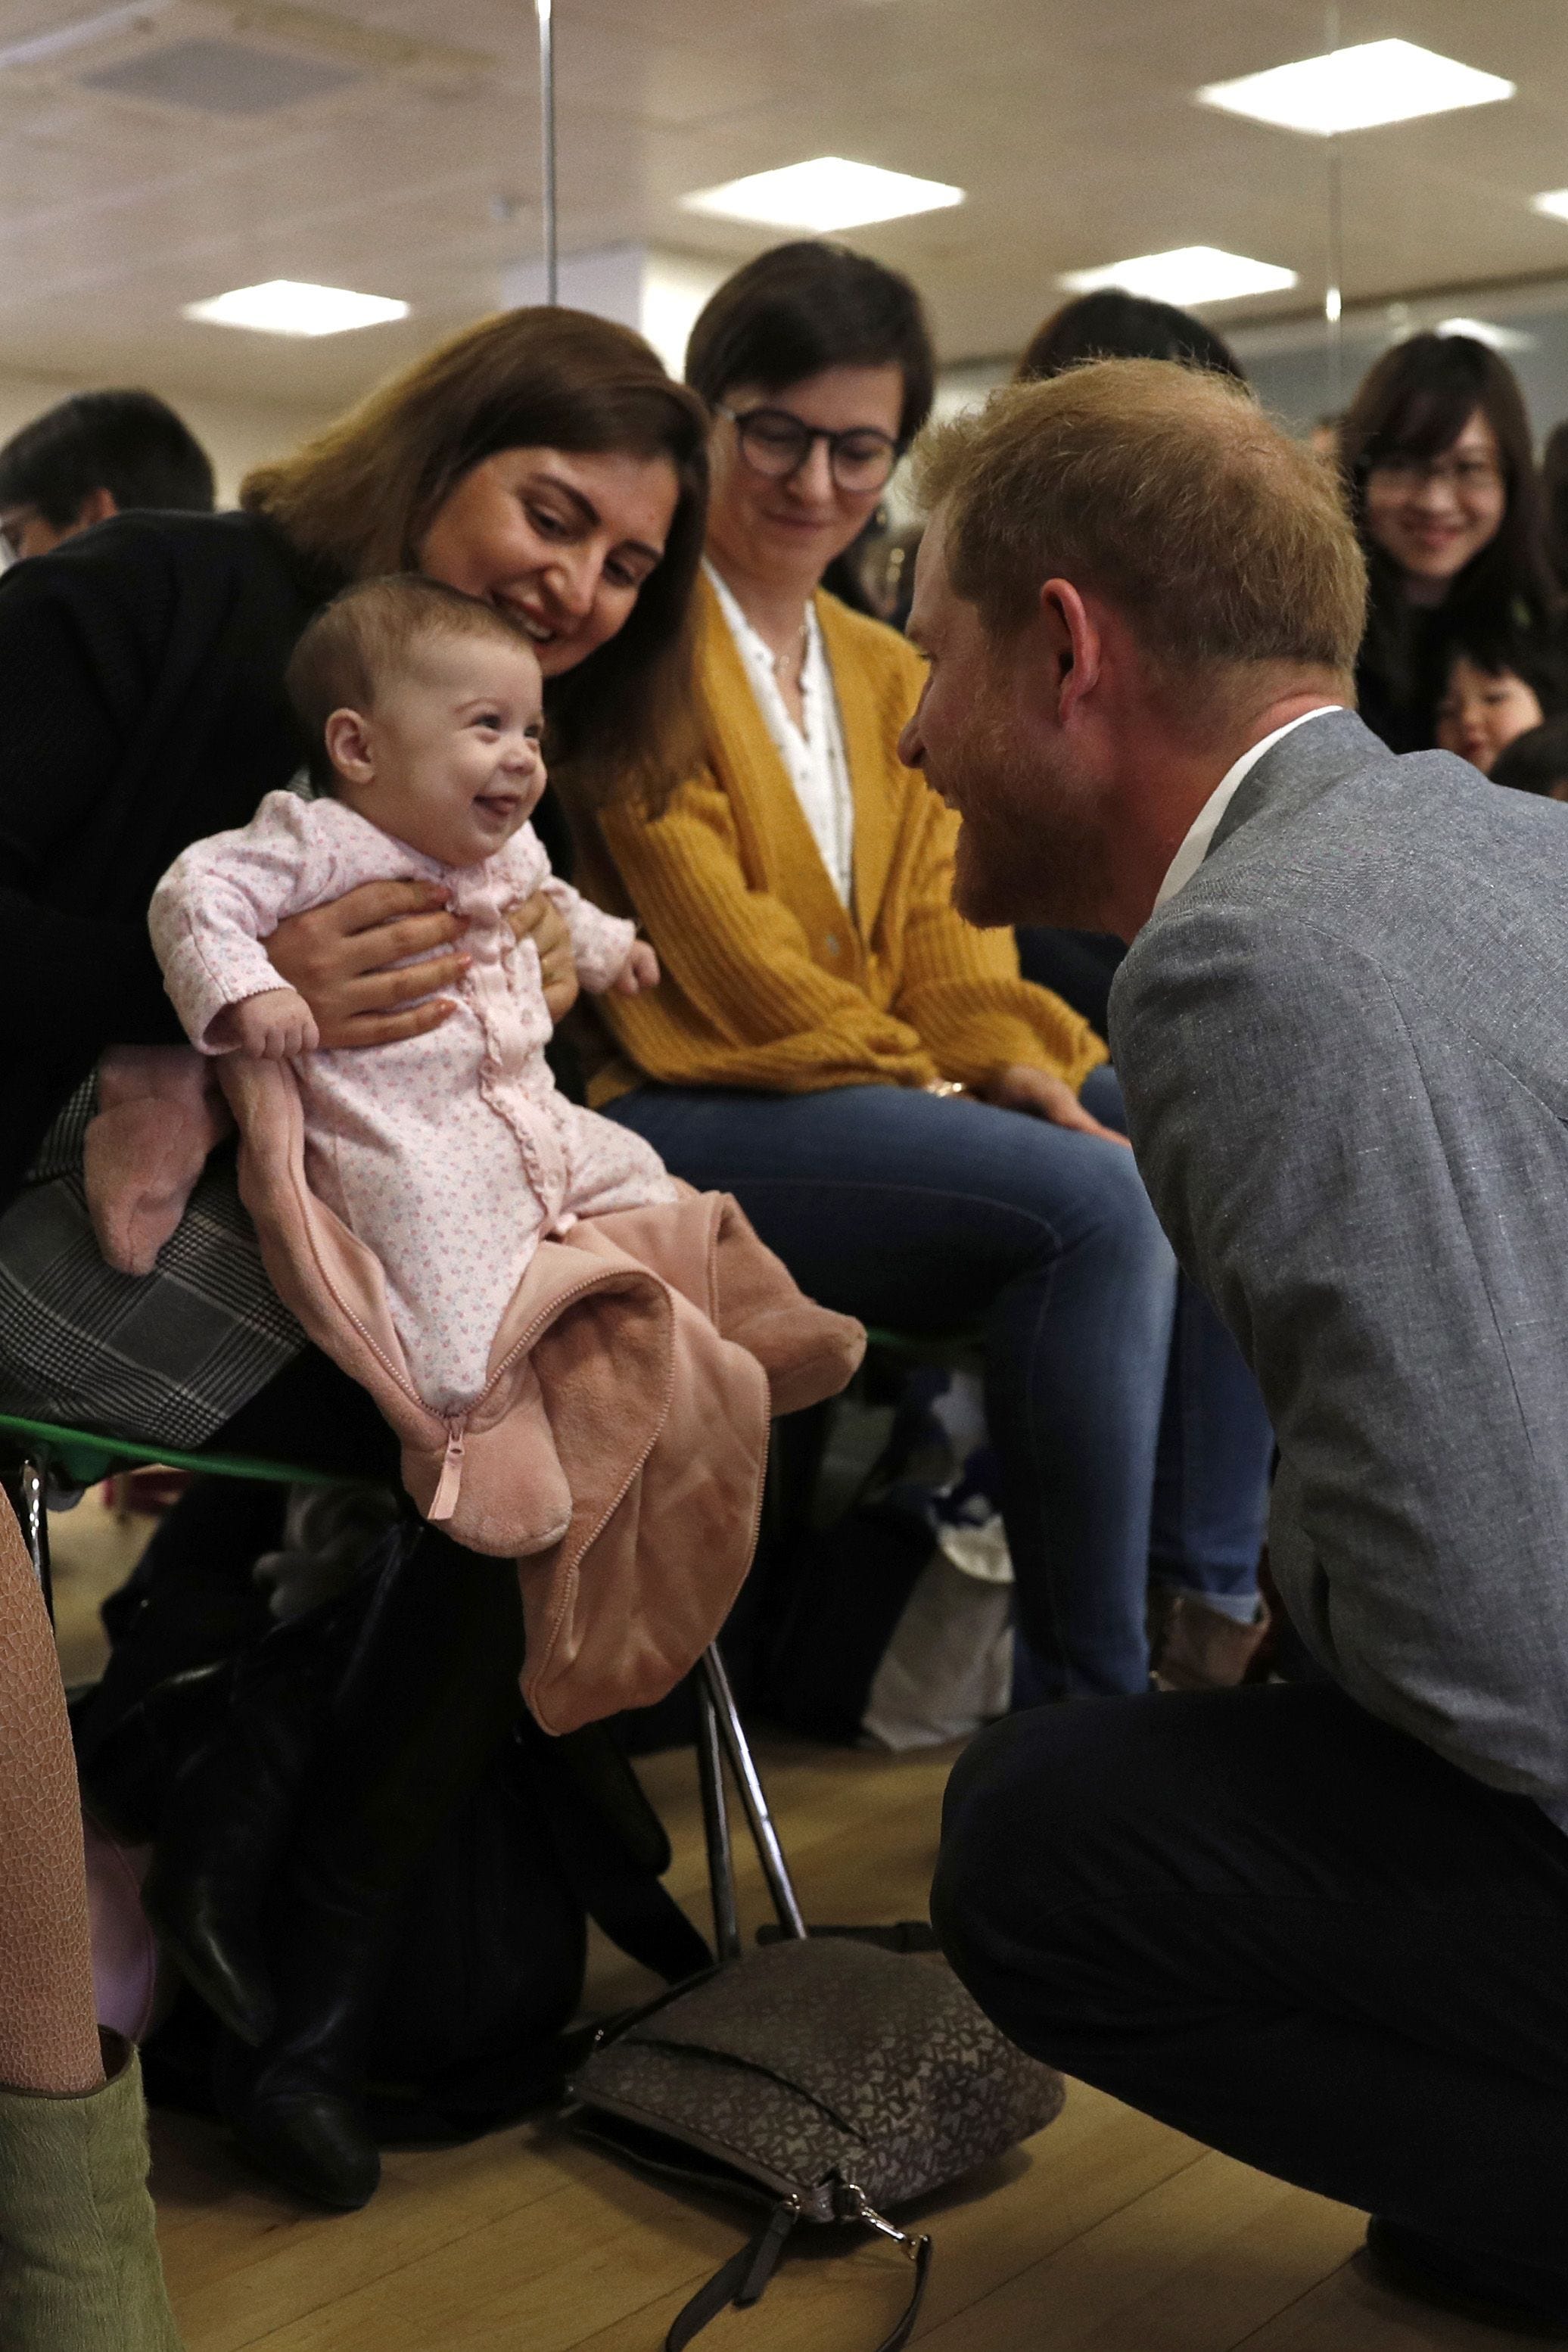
{"x":79,"y":2271}
{"x":48,"y":2040}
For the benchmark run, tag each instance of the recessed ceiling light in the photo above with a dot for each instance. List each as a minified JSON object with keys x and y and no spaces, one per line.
{"x":1482,"y":330}
{"x":1356,"y":89}
{"x":1555,"y":202}
{"x":284,"y":306}
{"x":828,"y":192}
{"x":1191,"y":273}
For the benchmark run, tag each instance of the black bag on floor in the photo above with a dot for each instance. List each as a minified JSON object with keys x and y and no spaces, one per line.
{"x":487,"y":1947}
{"x":490,"y":1941}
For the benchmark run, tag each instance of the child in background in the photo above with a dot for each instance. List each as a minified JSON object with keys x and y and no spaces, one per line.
{"x":1494,"y":691}
{"x":452,"y":1154}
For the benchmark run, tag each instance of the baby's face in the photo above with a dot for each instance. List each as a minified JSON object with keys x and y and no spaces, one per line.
{"x":448,"y":761}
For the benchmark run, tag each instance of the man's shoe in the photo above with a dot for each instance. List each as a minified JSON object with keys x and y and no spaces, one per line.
{"x":1518,"y":2297}
{"x":1201,"y":1649}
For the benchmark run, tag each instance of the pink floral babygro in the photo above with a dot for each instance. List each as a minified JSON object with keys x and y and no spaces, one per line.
{"x":451,"y":1156}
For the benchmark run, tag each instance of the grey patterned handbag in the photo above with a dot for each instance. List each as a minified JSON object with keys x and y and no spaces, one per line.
{"x":827,"y":2079}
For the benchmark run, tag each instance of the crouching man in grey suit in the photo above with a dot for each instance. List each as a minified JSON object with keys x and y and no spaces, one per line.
{"x":1323,"y":1926}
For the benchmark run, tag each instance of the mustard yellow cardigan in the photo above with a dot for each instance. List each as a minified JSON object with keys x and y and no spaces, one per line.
{"x":769,"y":981}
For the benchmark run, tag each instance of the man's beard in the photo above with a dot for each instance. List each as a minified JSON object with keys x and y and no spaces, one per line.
{"x":1031,"y":850}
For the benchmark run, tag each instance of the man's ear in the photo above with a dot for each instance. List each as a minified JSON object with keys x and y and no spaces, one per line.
{"x":1073,"y":644}
{"x":347,"y":737}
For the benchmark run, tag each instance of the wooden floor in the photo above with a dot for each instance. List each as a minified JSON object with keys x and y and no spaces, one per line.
{"x":1108,"y":2233}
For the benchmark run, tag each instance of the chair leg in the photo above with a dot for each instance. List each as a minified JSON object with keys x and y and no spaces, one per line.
{"x":22,"y":1482}
{"x":716,"y":1828}
{"x":726,"y":1719}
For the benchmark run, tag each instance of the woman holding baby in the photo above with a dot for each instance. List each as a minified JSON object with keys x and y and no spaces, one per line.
{"x":541,"y":461}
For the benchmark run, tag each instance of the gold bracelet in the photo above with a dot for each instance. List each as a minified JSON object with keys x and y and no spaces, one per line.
{"x":945,"y":1087}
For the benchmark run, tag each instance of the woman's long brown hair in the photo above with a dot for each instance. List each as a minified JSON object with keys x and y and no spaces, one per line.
{"x":362,"y":495}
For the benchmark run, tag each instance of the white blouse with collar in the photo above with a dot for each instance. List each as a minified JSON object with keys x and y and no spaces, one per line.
{"x":816,"y":760}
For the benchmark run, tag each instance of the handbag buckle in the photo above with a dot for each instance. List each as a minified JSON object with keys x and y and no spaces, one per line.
{"x":853,"y":2198}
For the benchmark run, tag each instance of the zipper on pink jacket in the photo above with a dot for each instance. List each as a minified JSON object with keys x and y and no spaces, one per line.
{"x":445,"y":1501}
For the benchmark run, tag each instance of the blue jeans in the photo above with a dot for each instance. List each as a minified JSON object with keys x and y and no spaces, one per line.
{"x":1129,"y":1433}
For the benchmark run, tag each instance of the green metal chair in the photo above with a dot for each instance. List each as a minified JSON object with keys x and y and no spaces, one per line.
{"x":29,"y":1448}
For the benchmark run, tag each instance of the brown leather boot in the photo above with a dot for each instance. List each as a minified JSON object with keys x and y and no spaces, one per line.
{"x":1201,"y":1648}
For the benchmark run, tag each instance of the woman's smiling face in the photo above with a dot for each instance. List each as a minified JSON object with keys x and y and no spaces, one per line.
{"x":562,"y":541}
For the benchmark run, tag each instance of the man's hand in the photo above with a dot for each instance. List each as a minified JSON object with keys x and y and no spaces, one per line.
{"x":640,"y":971}
{"x":540,"y":919}
{"x":1019,"y":1088}
{"x":271,"y":1027}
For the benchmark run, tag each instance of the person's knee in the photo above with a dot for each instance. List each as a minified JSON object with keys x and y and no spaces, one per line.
{"x":1046,"y":1822}
{"x":1013,"y":1806}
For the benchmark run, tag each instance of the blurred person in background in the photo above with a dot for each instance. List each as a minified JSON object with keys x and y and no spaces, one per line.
{"x":1496,"y":688}
{"x":1436,"y":456}
{"x":1111,"y":325}
{"x":1554,"y":497}
{"x":1323,"y":440}
{"x":98,"y":453}
{"x":926,"y":1139}
{"x":1080,"y":966}
{"x":1537,"y":762}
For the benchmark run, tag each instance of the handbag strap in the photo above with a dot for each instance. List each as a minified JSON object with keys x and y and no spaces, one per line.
{"x":741,"y":2279}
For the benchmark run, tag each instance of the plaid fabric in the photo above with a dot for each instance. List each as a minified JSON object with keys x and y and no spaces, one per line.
{"x":166,"y":1357}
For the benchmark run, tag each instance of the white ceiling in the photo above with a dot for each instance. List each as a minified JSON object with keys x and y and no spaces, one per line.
{"x":1071,"y":123}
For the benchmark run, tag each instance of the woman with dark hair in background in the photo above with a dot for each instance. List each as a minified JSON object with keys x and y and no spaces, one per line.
{"x":541,"y":460}
{"x":1081,"y":965}
{"x":925,"y":1138}
{"x":1436,"y":456}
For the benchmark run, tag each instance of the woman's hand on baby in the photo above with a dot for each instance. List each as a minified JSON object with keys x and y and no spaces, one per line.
{"x":640,"y":971}
{"x":1021,"y":1088}
{"x":271,"y":1027}
{"x":540,"y":919}
{"x":339,"y":956}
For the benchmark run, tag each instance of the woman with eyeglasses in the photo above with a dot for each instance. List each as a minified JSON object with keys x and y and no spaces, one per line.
{"x":1436,"y":455}
{"x":931,"y":1140}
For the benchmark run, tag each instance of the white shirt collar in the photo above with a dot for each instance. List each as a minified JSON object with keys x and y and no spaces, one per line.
{"x":1205,"y":824}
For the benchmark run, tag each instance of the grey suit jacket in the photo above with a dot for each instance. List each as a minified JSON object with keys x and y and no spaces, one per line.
{"x":1344,"y":1052}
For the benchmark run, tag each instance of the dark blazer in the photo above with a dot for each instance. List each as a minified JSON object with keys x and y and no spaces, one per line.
{"x":1344,"y":1052}
{"x":141,"y":707}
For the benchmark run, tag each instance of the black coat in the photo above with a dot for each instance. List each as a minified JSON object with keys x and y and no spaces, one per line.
{"x":141,"y":707}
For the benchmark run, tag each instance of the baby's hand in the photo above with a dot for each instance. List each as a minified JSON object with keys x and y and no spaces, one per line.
{"x":273,"y":1027}
{"x":640,"y":971}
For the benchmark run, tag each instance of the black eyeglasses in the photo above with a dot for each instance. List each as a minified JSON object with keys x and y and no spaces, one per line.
{"x":774,"y":443}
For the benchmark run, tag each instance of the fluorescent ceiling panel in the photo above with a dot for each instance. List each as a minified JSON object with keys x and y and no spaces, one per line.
{"x":1482,"y":330}
{"x":1553,"y":202}
{"x":1189,"y":275}
{"x":284,"y":306}
{"x":1357,"y":88}
{"x":828,"y":192}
